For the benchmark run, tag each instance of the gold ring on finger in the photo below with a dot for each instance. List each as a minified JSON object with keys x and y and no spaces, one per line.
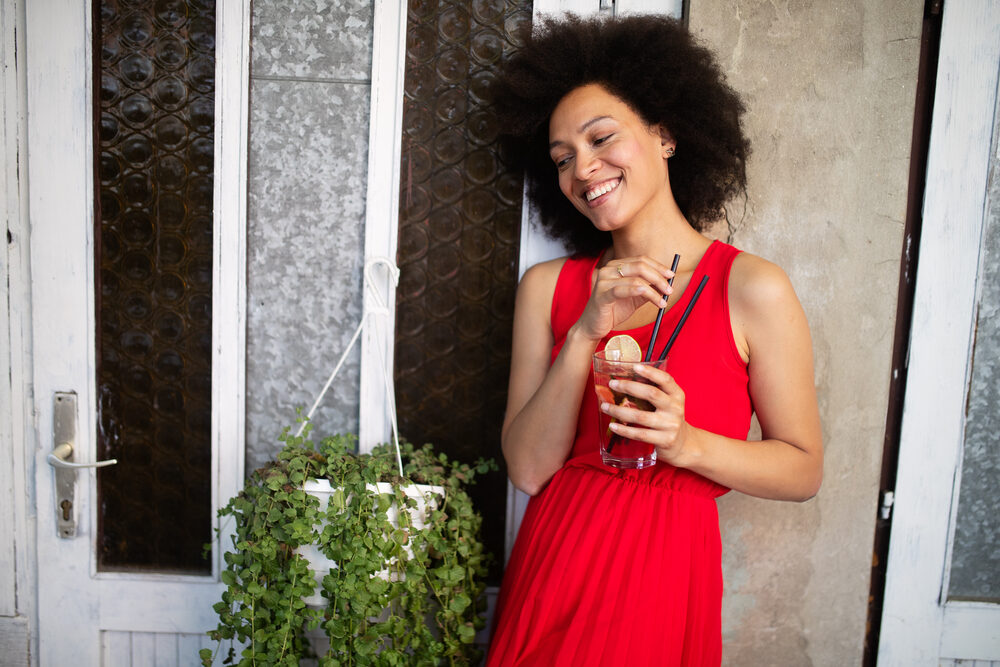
{"x":620,"y":271}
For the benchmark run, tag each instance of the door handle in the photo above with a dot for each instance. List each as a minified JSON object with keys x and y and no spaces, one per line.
{"x":61,"y":455}
{"x":61,"y":459}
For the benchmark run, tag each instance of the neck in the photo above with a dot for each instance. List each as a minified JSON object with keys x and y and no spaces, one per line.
{"x":660,"y":239}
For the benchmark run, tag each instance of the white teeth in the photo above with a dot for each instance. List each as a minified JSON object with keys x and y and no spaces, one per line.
{"x":604,"y":189}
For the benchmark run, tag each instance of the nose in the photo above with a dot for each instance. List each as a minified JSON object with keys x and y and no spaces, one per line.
{"x":586,"y":163}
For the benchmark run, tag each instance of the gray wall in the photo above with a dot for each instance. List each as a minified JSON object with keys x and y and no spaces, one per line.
{"x":310,"y":82}
{"x":830,"y":88}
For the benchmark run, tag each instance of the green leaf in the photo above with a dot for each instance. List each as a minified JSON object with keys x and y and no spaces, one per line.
{"x":467,"y":633}
{"x":459,"y":603}
{"x":265,"y":580}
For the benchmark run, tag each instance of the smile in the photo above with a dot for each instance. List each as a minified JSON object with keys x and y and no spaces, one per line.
{"x":602,"y":189}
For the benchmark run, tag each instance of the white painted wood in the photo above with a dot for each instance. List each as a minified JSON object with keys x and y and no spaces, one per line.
{"x":971,"y":631}
{"x":586,"y":7}
{"x":229,"y":303}
{"x":10,"y":205}
{"x":542,"y":8}
{"x":14,"y":641}
{"x":165,"y":651}
{"x":143,"y":649}
{"x":382,"y":214}
{"x":669,"y":7}
{"x":59,"y":137}
{"x":150,"y":605}
{"x":914,"y":616}
{"x":116,"y":649}
{"x":151,"y":649}
{"x":188,"y":646}
{"x":14,"y":361}
{"x":75,"y":602}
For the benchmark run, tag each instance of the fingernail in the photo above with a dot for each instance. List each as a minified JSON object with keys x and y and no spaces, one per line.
{"x":604,"y":407}
{"x":613,"y":384}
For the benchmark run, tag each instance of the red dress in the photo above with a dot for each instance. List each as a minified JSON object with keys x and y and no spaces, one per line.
{"x":624,"y":567}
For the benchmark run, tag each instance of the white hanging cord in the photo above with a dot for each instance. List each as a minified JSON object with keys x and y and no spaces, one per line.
{"x":374,"y":305}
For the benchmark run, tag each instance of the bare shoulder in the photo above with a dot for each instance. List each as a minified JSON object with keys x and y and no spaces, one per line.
{"x":755,"y":283}
{"x":763,"y":306}
{"x":538,"y":283}
{"x":544,"y":273}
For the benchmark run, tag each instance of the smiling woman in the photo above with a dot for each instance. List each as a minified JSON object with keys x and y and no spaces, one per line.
{"x":663,"y":75}
{"x":631,"y":140}
{"x":604,"y":152}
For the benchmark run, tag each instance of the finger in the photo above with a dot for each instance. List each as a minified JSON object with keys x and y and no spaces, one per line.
{"x":640,"y":390}
{"x":644,"y":260}
{"x":662,"y":379}
{"x":656,"y":437}
{"x":635,"y":417}
{"x":629,"y":289}
{"x":653,"y":409}
{"x":645,"y":270}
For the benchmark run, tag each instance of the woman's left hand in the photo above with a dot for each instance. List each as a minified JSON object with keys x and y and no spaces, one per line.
{"x":665,"y":426}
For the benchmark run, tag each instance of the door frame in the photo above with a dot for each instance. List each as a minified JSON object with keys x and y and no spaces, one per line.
{"x":918,"y":624}
{"x":17,"y":556}
{"x":58,"y":182}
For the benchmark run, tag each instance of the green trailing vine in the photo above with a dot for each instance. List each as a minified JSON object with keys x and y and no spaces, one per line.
{"x":425,"y":612}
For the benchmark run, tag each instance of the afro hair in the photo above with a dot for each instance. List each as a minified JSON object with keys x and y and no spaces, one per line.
{"x":654,"y":65}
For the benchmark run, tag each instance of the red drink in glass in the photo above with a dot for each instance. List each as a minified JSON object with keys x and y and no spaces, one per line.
{"x":616,"y":451}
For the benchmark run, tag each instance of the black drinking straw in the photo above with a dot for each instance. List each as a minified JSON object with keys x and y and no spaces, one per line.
{"x":684,"y":316}
{"x":615,"y":438}
{"x":659,"y":315}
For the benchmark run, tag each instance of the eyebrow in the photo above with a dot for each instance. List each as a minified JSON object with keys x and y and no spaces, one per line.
{"x":582,"y":128}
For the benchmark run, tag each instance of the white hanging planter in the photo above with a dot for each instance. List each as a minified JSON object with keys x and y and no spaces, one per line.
{"x":426,"y":497}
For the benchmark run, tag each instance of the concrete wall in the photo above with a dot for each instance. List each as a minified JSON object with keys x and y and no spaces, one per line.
{"x":830,"y":89}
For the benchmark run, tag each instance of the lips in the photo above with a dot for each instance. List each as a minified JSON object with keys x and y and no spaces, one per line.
{"x":601,"y":189}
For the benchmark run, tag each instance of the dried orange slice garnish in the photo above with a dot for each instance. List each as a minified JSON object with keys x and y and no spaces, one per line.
{"x":622,"y":348}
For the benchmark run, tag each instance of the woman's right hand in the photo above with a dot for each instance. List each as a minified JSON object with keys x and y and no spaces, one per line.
{"x":621,"y":287}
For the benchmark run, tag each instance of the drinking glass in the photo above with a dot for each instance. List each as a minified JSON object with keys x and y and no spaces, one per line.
{"x":617,"y":451}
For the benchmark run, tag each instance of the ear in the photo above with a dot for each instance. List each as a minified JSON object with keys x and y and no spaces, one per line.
{"x":667,"y":142}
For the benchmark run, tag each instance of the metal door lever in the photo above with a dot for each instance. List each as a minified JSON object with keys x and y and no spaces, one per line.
{"x":61,"y":458}
{"x":60,"y":455}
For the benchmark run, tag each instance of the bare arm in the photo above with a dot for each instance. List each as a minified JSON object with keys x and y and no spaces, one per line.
{"x":771,"y":328}
{"x":543,"y":401}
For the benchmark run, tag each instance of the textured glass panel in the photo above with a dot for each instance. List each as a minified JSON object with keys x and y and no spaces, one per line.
{"x":154,"y":288}
{"x":975,"y":564}
{"x":459,"y":223}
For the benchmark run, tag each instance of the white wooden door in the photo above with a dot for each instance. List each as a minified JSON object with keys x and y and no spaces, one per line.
{"x":87,"y":617}
{"x":922,"y":621}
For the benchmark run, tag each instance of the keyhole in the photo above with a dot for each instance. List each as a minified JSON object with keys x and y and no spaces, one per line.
{"x":66,"y":507}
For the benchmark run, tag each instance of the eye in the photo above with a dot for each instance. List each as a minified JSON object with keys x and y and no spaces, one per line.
{"x":601,"y":140}
{"x":562,"y":161}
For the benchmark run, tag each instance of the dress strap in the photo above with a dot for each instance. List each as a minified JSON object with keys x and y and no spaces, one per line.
{"x":571,"y":294}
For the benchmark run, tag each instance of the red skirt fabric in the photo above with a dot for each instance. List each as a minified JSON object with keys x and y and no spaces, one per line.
{"x":614,"y":568}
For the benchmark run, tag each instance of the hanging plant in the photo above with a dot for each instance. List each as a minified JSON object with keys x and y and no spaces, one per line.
{"x":398,"y":593}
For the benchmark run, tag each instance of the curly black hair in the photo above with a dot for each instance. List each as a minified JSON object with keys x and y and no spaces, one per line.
{"x":653,"y":64}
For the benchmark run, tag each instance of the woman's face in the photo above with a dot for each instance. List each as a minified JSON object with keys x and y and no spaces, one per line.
{"x":611,"y":165}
